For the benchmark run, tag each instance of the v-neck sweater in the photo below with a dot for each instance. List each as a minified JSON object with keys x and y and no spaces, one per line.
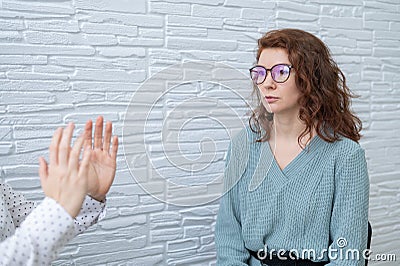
{"x":319,"y":202}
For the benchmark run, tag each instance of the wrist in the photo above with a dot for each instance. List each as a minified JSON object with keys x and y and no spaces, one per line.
{"x":99,"y":198}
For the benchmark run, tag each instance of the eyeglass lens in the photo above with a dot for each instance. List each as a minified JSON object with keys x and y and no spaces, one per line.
{"x":280,"y":73}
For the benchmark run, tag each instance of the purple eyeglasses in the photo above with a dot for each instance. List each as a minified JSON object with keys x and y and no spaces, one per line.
{"x":279,"y":73}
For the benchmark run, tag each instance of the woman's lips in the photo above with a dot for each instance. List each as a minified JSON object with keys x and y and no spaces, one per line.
{"x":271,"y":99}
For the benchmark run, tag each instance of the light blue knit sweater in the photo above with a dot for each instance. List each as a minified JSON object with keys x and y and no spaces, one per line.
{"x":319,"y":198}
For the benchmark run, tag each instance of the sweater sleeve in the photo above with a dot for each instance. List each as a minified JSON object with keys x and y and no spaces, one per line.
{"x":231,"y":250}
{"x":349,"y":220}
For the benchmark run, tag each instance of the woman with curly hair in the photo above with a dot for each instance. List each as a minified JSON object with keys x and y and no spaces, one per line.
{"x":296,"y":179}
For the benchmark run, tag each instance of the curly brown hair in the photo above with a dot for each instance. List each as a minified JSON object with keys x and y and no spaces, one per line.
{"x":325,"y":98}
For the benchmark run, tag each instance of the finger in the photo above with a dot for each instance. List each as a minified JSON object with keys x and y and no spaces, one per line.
{"x":84,"y":167}
{"x":98,"y":133}
{"x":43,"y":170}
{"x":73,"y":163}
{"x":88,"y":134}
{"x":53,"y":149}
{"x":114,"y":148}
{"x":65,"y":144}
{"x":107,"y":137}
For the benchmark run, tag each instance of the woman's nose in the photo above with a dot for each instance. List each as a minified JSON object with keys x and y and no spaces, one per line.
{"x":268,"y":84}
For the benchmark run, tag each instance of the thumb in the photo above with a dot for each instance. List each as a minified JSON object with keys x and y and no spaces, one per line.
{"x":43,"y":170}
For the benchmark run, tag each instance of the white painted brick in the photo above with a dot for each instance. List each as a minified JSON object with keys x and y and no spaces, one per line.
{"x":29,"y":15}
{"x":170,"y":8}
{"x":37,"y":108}
{"x":296,"y":16}
{"x":395,"y":26}
{"x":187,"y":32}
{"x":151,"y":33}
{"x":386,"y":52}
{"x":377,"y":25}
{"x":203,"y":2}
{"x":27,"y":97}
{"x":194,"y":260}
{"x":105,"y":257}
{"x":29,"y":119}
{"x":83,"y":117}
{"x":217,"y":12}
{"x":23,"y":60}
{"x":68,"y":38}
{"x":165,"y":234}
{"x":149,"y":42}
{"x":76,"y":97}
{"x":42,"y":144}
{"x":36,"y":131}
{"x":137,"y":6}
{"x":10,"y":36}
{"x":297,"y":7}
{"x":252,"y":24}
{"x":381,"y":16}
{"x":119,"y":51}
{"x":196,"y":231}
{"x":343,"y":42}
{"x":35,"y":76}
{"x":387,"y":35}
{"x":42,"y":6}
{"x":142,"y":209}
{"x":11,"y":24}
{"x":98,"y":63}
{"x":185,"y":244}
{"x":109,"y":29}
{"x":124,"y":19}
{"x":189,"y":44}
{"x":187,"y":21}
{"x":365,"y":35}
{"x":338,"y":2}
{"x":341,"y":22}
{"x":257,"y":13}
{"x":6,"y":148}
{"x":310,"y":27}
{"x":52,"y":69}
{"x":119,"y":221}
{"x":109,"y":75}
{"x":45,"y":50}
{"x":33,"y":85}
{"x":249,"y":3}
{"x":53,"y":25}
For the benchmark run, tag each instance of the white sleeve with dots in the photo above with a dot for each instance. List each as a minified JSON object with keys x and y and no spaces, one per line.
{"x":34,"y":236}
{"x":91,"y":211}
{"x":40,"y":237}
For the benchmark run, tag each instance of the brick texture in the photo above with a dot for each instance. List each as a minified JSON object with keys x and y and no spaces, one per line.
{"x":68,"y":60}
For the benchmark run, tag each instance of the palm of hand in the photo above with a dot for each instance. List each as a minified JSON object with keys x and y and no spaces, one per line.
{"x":102,"y":163}
{"x":101,"y":173}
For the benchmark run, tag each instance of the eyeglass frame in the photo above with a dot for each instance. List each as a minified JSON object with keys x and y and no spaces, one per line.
{"x":269,"y":69}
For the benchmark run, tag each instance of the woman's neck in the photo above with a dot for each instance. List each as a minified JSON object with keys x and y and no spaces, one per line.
{"x":289,"y":128}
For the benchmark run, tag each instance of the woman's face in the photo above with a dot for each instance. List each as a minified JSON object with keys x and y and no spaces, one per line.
{"x":278,"y":98}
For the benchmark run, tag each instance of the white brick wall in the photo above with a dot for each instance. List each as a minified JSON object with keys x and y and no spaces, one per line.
{"x":67,"y":60}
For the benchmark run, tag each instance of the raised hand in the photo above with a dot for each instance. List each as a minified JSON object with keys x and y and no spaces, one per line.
{"x":102,"y":163}
{"x":64,"y":179}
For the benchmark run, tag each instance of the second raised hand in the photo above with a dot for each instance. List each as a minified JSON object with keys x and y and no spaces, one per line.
{"x":102,"y":163}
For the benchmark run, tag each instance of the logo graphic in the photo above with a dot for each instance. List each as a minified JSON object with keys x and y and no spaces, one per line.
{"x":341,"y":242}
{"x":177,"y":130}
